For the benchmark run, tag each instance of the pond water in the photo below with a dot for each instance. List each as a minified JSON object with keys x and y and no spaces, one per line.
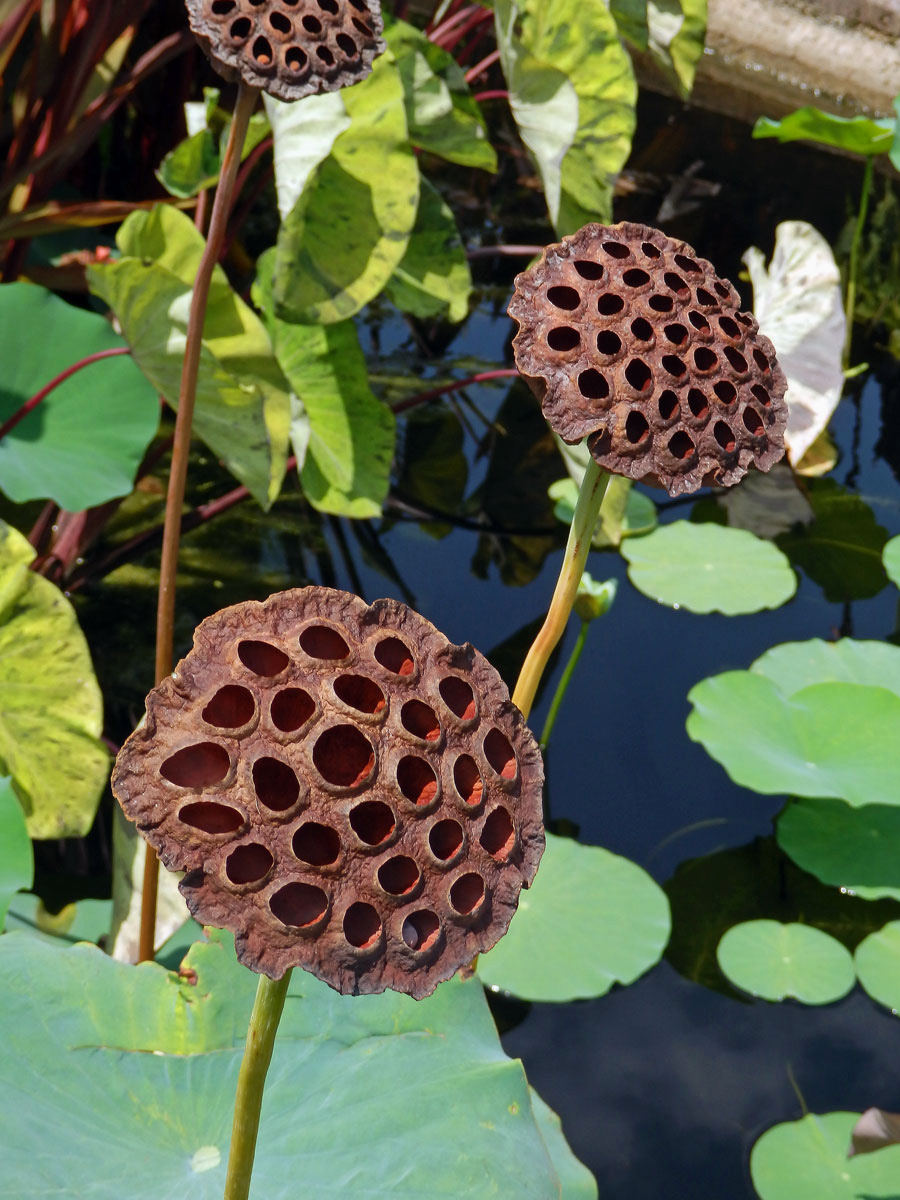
{"x":663,"y":1086}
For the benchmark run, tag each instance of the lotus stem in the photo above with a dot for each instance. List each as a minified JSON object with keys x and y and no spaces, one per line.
{"x":563,"y":685}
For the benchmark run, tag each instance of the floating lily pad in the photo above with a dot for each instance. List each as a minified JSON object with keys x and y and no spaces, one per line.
{"x":807,"y":1160}
{"x":16,"y":857}
{"x":831,"y":739}
{"x":400,"y":1097}
{"x":891,"y":559}
{"x":709,"y":568}
{"x":851,"y":848}
{"x":589,"y":920}
{"x":776,"y":961}
{"x":878,"y":965}
{"x":795,"y":665}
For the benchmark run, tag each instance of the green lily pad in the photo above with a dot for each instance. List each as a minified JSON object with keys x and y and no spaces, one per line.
{"x":433,"y":278}
{"x":878,"y":965}
{"x":709,"y":568}
{"x":398,"y":1097}
{"x":590,"y":919}
{"x":775,"y":961}
{"x":572,"y":93}
{"x":891,"y":559}
{"x":575,"y":1179}
{"x":807,"y":1160}
{"x":16,"y":856}
{"x":859,"y":135}
{"x":82,"y":445}
{"x":243,"y":407}
{"x":81,"y":921}
{"x":851,"y":848}
{"x":52,"y":711}
{"x":795,"y":665}
{"x":831,"y":739}
{"x":349,"y":230}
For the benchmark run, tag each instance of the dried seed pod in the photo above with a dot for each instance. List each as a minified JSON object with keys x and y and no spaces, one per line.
{"x":347,"y":790}
{"x":630,"y":339}
{"x":290,"y":48}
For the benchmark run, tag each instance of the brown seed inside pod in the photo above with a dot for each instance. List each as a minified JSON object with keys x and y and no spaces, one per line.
{"x":290,"y":48}
{"x":631,"y":340}
{"x":347,"y":790}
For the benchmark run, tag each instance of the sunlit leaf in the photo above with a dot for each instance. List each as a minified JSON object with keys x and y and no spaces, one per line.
{"x":891,"y":560}
{"x":859,"y":135}
{"x":807,"y":1160}
{"x":590,"y":919}
{"x":16,"y":857}
{"x":442,"y":116}
{"x":777,"y":961}
{"x":433,"y":278}
{"x":303,"y":133}
{"x":572,"y":93}
{"x":797,"y":302}
{"x":795,"y":665}
{"x":82,"y":445}
{"x":841,"y":549}
{"x":195,"y":163}
{"x":243,"y":408}
{"x":709,"y":568}
{"x":52,"y":712}
{"x":143,"y":1071}
{"x":830,"y":739}
{"x":878,"y":965}
{"x":349,"y":230}
{"x":851,"y":848}
{"x":677,"y":32}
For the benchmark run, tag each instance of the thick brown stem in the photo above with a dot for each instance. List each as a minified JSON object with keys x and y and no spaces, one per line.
{"x":165,"y":612}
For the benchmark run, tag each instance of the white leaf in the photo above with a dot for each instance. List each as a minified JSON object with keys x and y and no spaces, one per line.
{"x":303,"y":133}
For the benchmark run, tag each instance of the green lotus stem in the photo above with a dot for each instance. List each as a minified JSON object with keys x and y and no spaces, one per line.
{"x":267,"y":1009}
{"x":181,"y":448}
{"x":853,"y":267}
{"x":562,"y":686}
{"x":590,"y":497}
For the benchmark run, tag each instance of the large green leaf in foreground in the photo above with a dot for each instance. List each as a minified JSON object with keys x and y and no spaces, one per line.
{"x":378,"y":1096}
{"x":709,"y":568}
{"x":243,"y":407}
{"x":807,"y":1160}
{"x":82,"y":445}
{"x":795,"y":665}
{"x":776,"y":961}
{"x":831,"y":739}
{"x":51,"y":712}
{"x":590,"y":919}
{"x":16,"y":857}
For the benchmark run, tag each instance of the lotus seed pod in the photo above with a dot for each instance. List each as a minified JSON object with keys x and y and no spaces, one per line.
{"x":629,"y":339}
{"x":345,"y":789}
{"x":290,"y":48}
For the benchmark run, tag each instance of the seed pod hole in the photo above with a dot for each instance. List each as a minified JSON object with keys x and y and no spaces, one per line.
{"x":650,"y":250}
{"x":276,"y":785}
{"x":296,"y":59}
{"x":761,"y":394}
{"x":249,"y":864}
{"x":467,"y":778}
{"x":416,"y":780}
{"x":705,"y":359}
{"x":280,"y":23}
{"x":458,"y":696}
{"x":262,"y":659}
{"x":616,"y":249}
{"x":362,"y":28}
{"x":676,"y":334}
{"x":729,"y":327}
{"x":608,"y":305}
{"x":681,"y":446}
{"x":231,"y":707}
{"x":737,"y":360}
{"x":661,"y":304}
{"x":325,"y":56}
{"x":592,"y":385}
{"x":394,"y":656}
{"x":667,"y":404}
{"x":291,"y":708}
{"x":635,"y":278}
{"x":608,"y":342}
{"x":262,"y":52}
{"x":202,"y":765}
{"x":316,"y":844}
{"x":753,"y":422}
{"x":642,"y":329}
{"x":362,"y":925}
{"x":209,"y":817}
{"x":445,"y":839}
{"x":636,"y":427}
{"x":698,"y":404}
{"x":760,"y":359}
{"x":500,"y":754}
{"x":587,"y":269}
{"x":420,"y":720}
{"x":676,"y":283}
{"x":723,"y":435}
{"x":240,"y":29}
{"x":221,"y":8}
{"x":360,"y":693}
{"x":329,"y":6}
{"x":312,"y":25}
{"x":563,"y":338}
{"x":563,"y":297}
{"x":638,"y":374}
{"x":343,"y":756}
{"x":372,"y":822}
{"x":399,"y":875}
{"x":347,"y":44}
{"x":421,"y":929}
{"x":467,"y":892}
{"x":707,"y":299}
{"x":498,"y":835}
{"x":299,"y":904}
{"x":319,"y":641}
{"x":725,"y":391}
{"x":698,"y":321}
{"x":687,"y":264}
{"x":674,"y":365}
{"x":722,"y":290}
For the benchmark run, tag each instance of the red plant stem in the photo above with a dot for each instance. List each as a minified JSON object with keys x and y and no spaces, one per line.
{"x":468,"y":51}
{"x":482,"y":377}
{"x":36,"y":399}
{"x":450,"y":23}
{"x":454,"y":6}
{"x":252,"y":159}
{"x":509,"y":249}
{"x":165,"y":613}
{"x":493,"y":94}
{"x":480,"y":67}
{"x":449,"y":41}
